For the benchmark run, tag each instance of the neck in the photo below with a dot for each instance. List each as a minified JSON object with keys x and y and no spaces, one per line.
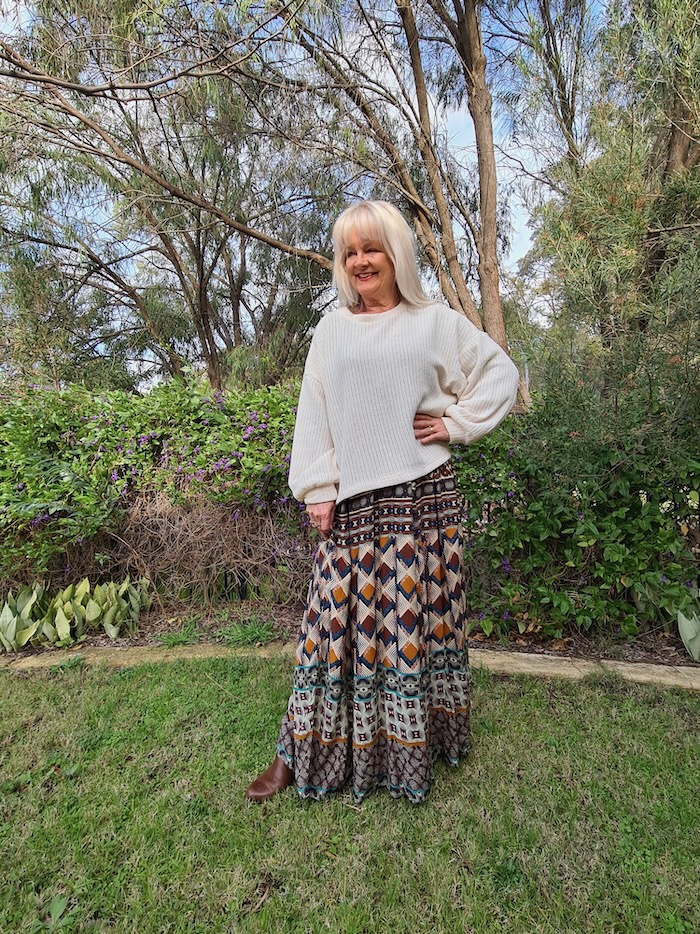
{"x":375,"y":306}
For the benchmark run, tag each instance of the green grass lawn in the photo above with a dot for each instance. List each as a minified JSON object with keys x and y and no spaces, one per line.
{"x":123,"y":791}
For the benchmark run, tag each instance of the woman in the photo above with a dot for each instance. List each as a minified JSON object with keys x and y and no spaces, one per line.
{"x":381,"y":680}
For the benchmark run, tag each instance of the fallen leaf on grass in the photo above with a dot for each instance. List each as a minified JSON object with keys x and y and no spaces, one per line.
{"x":263,"y":890}
{"x":263,"y":898}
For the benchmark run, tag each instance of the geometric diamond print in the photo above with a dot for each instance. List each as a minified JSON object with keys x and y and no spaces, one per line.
{"x":381,"y":676}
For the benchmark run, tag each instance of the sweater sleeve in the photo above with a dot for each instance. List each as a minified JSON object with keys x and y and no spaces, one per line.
{"x":489,"y":385}
{"x":313,"y":470}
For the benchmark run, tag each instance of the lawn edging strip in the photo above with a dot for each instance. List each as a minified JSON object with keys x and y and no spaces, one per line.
{"x":502,"y":663}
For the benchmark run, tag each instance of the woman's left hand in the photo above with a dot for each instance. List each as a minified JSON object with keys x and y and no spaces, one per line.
{"x":429,"y":428}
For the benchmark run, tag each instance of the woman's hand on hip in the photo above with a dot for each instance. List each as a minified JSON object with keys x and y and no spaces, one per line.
{"x":429,"y":428}
{"x":321,"y":516}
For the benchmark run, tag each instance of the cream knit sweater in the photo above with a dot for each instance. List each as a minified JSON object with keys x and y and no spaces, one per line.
{"x":367,"y":375}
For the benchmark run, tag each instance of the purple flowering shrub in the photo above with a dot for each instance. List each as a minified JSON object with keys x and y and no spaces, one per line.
{"x":72,"y":464}
{"x":569,"y":522}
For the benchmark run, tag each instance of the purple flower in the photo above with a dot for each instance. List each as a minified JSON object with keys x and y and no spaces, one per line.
{"x":506,"y":615}
{"x":511,"y":494}
{"x":505,"y":564}
{"x":20,"y":487}
{"x":663,"y":579}
{"x":114,"y":476}
{"x":510,"y":453}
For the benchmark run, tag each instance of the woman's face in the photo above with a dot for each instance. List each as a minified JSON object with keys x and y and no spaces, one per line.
{"x":370,"y":270}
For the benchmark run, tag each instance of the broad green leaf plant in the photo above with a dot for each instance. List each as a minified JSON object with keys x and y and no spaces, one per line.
{"x":37,"y":619}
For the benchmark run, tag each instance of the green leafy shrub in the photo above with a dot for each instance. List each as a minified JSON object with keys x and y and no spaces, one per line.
{"x":33,"y":617}
{"x":573,"y":511}
{"x":574,"y":518}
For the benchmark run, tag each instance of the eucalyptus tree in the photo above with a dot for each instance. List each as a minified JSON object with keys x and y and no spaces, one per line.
{"x":215,"y":127}
{"x":620,"y":238}
{"x":141,"y":105}
{"x":65,"y":277}
{"x":51,"y":332}
{"x":546,"y":53}
{"x":372,"y":87}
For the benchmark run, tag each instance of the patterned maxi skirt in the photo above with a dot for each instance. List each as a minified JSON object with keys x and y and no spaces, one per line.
{"x":381,"y":679}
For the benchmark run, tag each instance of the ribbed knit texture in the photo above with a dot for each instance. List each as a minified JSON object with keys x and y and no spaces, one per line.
{"x":367,"y":375}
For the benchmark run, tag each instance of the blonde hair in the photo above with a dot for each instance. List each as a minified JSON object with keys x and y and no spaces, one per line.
{"x":380,"y":221}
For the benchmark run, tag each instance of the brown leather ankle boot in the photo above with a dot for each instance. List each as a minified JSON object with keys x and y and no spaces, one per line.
{"x":272,"y":780}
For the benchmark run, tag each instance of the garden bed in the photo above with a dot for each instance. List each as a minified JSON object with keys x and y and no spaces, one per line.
{"x":256,"y":622}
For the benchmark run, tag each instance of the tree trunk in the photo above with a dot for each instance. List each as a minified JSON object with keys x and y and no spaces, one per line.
{"x":681,"y":137}
{"x":423,"y":134}
{"x":479,"y":102}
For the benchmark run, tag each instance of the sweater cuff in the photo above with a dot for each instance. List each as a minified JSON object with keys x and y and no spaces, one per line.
{"x":321,"y":494}
{"x":454,"y":429}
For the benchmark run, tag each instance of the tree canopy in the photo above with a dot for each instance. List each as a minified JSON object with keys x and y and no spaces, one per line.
{"x":170,"y":174}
